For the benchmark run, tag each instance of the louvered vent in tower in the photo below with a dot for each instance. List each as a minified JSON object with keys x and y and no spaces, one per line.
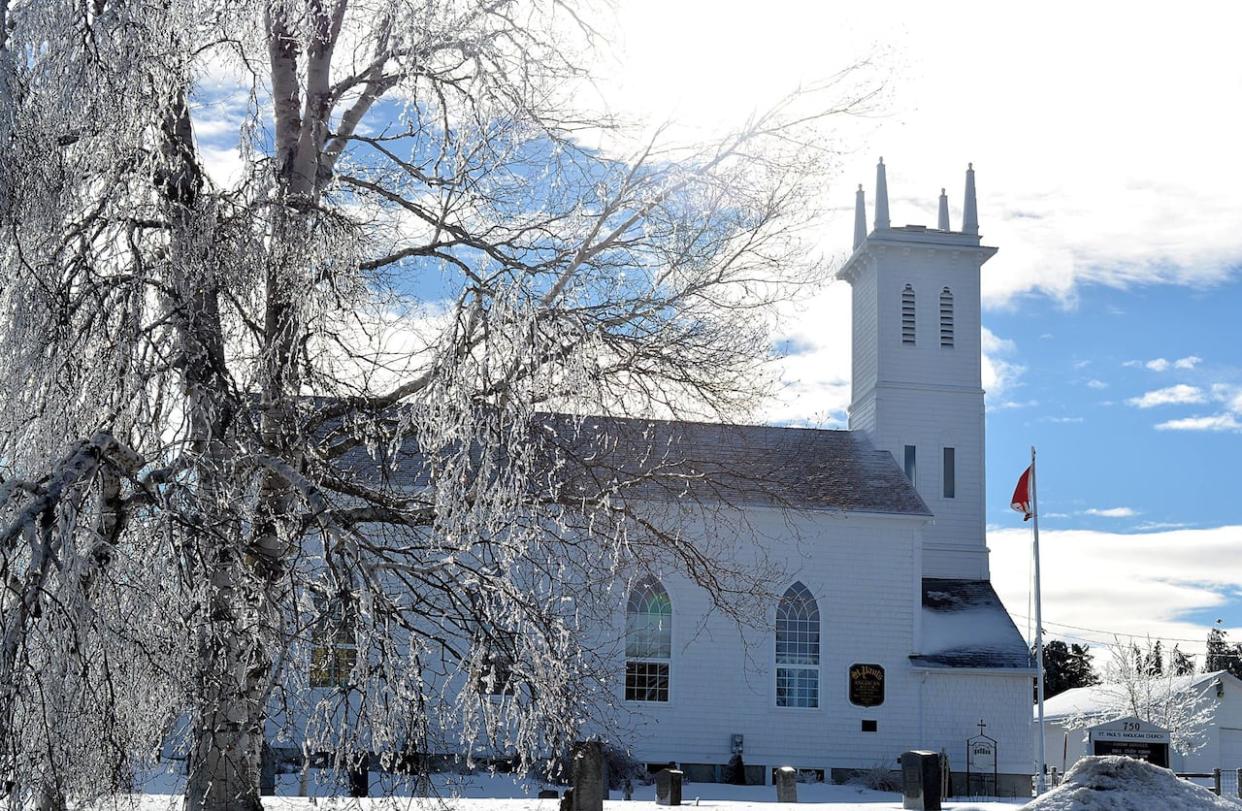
{"x":907,"y":315}
{"x":946,"y":318}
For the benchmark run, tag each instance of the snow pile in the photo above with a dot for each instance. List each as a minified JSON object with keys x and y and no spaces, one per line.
{"x":1124,"y":784}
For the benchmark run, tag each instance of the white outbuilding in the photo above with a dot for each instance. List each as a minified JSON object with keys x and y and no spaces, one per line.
{"x":1215,"y":736}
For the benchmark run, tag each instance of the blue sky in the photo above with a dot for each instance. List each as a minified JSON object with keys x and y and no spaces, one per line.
{"x":1087,"y":367}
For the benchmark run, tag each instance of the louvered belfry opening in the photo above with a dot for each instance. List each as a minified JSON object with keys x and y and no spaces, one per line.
{"x":907,"y":315}
{"x":946,"y":318}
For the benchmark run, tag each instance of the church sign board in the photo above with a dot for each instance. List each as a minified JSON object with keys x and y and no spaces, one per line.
{"x":981,"y":764}
{"x":866,"y":685}
{"x":1131,"y":737}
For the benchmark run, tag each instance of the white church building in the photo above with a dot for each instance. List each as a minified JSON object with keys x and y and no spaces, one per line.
{"x":889,"y":635}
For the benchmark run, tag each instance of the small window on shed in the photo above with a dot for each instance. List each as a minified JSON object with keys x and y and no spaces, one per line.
{"x":907,"y":315}
{"x":946,"y":318}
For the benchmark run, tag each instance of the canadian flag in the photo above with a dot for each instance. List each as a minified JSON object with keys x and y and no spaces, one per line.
{"x":1021,"y":500}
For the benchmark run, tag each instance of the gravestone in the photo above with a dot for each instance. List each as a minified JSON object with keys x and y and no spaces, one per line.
{"x":786,"y":785}
{"x":267,"y":772}
{"x":920,"y":780}
{"x":668,"y":787}
{"x":590,"y":782}
{"x":548,"y":794}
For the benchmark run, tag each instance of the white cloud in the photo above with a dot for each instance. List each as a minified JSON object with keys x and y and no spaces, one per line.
{"x":1181,"y":394}
{"x":1216,"y":422}
{"x":1164,"y":364}
{"x":1111,"y":512}
{"x":1000,"y":374}
{"x":1098,"y":385}
{"x":1140,"y":584}
{"x":1105,"y":200}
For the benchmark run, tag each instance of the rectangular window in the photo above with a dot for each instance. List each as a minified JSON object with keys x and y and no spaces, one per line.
{"x":910,"y":463}
{"x":334,"y":650}
{"x":646,"y":681}
{"x":797,"y":687}
{"x":950,"y":474}
{"x":331,"y":665}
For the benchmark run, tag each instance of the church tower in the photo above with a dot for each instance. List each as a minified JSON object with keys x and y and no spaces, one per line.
{"x":917,"y":388}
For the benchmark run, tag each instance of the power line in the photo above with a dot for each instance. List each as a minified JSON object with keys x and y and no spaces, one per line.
{"x":1115,"y":633}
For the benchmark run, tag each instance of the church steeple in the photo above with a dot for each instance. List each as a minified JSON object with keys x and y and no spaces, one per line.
{"x":881,"y":197}
{"x":970,"y":212}
{"x":860,"y":217}
{"x":917,"y":367}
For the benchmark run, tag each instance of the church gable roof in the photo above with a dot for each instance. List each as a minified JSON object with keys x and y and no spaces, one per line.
{"x":758,"y":465}
{"x":735,"y":465}
{"x":964,"y":625}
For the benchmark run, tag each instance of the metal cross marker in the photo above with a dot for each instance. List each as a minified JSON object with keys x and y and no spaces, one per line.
{"x":982,"y":726}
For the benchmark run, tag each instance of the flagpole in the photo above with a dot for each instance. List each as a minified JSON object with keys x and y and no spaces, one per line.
{"x":1039,"y":634}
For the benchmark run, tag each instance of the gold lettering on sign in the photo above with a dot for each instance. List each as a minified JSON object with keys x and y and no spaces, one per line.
{"x":866,"y":685}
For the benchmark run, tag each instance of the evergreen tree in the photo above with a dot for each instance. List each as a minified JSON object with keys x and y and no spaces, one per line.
{"x":1221,"y":655}
{"x":1181,"y":664}
{"x":1155,"y":660}
{"x":1066,"y":667}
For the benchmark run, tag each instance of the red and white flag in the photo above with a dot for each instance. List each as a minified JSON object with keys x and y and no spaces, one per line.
{"x":1021,"y":500}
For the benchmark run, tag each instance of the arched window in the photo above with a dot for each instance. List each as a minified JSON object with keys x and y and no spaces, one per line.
{"x":648,"y":642}
{"x":797,"y":649}
{"x":907,"y":315}
{"x":946,"y":318}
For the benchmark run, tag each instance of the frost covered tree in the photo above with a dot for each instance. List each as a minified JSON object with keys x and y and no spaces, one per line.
{"x":1132,"y":687}
{"x":256,"y":424}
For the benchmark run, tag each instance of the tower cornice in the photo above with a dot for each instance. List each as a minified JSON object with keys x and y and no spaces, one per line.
{"x":908,"y":239}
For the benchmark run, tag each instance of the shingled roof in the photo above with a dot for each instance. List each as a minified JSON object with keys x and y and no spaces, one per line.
{"x":966,"y":626}
{"x":798,"y":468}
{"x":738,"y":465}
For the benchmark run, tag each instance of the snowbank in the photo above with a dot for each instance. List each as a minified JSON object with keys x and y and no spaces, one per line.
{"x":1124,"y":784}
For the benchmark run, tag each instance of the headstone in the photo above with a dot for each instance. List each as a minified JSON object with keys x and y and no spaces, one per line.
{"x":359,"y":778}
{"x":267,"y":772}
{"x":590,"y":782}
{"x":920,"y":780}
{"x":786,"y":785}
{"x":668,"y":787}
{"x":548,"y":794}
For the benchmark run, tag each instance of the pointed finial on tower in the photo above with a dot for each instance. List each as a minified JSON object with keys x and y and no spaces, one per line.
{"x":860,"y":217}
{"x":970,"y":211}
{"x":943,"y":223}
{"x":881,"y":196}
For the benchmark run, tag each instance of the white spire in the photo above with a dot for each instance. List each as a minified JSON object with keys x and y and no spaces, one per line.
{"x":970,"y":212}
{"x":860,"y":217}
{"x":881,"y":197}
{"x":943,"y":224}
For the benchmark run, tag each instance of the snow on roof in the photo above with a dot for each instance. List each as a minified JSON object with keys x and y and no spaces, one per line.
{"x":965,"y":625}
{"x":1099,"y":699}
{"x":1114,"y":783}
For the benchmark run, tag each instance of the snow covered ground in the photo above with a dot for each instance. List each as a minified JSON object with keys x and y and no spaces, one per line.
{"x":501,"y":793}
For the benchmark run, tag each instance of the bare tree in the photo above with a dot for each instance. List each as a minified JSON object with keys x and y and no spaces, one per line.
{"x":244,"y":420}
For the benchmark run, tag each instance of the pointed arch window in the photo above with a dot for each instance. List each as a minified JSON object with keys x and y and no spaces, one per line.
{"x":907,"y":315}
{"x":946,"y":318}
{"x":797,"y":649}
{"x":648,"y":641}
